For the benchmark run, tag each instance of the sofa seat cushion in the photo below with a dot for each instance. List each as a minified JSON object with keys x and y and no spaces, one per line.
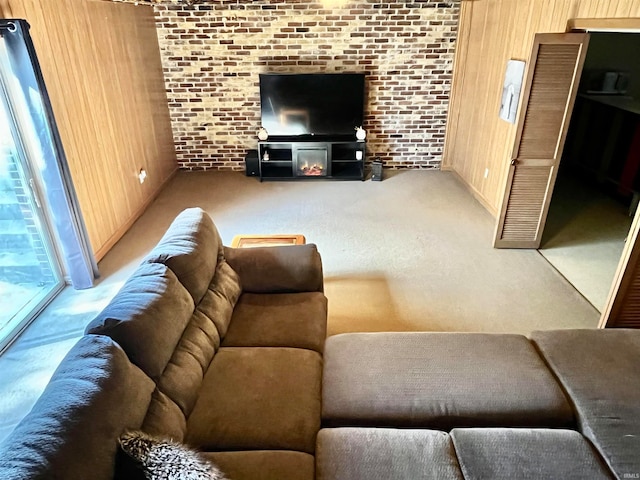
{"x":279,"y":320}
{"x":258,"y":398}
{"x":385,"y":453}
{"x":73,"y":429}
{"x":600,"y":371}
{"x":264,"y":465}
{"x":438,"y":380}
{"x":508,"y":453}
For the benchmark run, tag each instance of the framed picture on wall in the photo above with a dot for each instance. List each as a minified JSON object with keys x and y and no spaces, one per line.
{"x":513,"y":78}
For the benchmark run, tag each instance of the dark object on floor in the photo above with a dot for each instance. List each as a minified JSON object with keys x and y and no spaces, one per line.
{"x":251,"y":164}
{"x":376,"y":170}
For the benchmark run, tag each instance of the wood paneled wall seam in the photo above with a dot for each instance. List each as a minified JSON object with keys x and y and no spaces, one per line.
{"x":495,"y":31}
{"x":101,"y":64}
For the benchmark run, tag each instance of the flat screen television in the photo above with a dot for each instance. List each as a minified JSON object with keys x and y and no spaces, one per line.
{"x":318,"y":104}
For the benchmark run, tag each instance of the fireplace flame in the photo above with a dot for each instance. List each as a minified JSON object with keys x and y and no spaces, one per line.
{"x":312,"y":170}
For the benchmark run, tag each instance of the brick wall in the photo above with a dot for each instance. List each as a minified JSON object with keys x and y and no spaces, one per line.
{"x":25,"y":261}
{"x":213,"y":52}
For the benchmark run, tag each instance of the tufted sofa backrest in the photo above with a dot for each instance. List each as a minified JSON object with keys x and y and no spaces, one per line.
{"x":171,"y":315}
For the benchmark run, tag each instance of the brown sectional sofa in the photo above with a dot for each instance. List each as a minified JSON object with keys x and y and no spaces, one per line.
{"x":481,"y":406}
{"x":224,"y":349}
{"x":216,"y":347}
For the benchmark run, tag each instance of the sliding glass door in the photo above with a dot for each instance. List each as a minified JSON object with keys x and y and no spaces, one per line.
{"x":29,"y":269}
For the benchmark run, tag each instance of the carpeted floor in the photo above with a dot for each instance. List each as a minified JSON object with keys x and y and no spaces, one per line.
{"x":412,"y":252}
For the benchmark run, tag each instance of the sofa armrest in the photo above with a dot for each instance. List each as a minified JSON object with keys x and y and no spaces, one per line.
{"x":282,"y":269}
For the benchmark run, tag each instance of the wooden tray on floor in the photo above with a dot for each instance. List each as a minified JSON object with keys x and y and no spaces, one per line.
{"x":251,"y":241}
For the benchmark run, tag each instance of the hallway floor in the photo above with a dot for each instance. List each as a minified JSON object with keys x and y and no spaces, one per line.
{"x":584,"y":237}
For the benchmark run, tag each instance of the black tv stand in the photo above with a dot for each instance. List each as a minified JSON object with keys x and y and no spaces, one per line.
{"x":312,"y":157}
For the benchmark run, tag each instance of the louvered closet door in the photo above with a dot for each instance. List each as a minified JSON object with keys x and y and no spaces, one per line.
{"x":549,"y":93}
{"x":623,"y":305}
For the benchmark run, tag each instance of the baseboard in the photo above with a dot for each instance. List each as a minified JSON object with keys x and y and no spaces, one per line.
{"x":119,"y":233}
{"x":477,"y":195}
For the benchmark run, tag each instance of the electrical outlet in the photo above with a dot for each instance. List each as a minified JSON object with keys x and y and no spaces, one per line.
{"x":486,"y":173}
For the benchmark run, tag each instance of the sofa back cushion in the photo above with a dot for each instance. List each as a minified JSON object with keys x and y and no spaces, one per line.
{"x":147,"y":317}
{"x":191,"y":248}
{"x":277,"y":269}
{"x":72,"y":431}
{"x":599,"y":370}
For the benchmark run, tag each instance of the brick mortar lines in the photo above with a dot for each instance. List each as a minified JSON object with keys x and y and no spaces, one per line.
{"x":212,"y":54}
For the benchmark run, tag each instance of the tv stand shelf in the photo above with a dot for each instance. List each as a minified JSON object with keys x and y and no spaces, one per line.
{"x":290,"y":158}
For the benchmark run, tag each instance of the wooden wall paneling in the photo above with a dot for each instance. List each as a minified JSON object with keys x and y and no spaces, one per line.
{"x":500,"y":135}
{"x":137,"y":92}
{"x":471,"y":76}
{"x":477,"y":40}
{"x":469,"y":40}
{"x":499,"y":30}
{"x":101,"y":63}
{"x":152,"y":83}
{"x":457,"y":81}
{"x":120,"y":98}
{"x":107,"y":91}
{"x":88,"y":85}
{"x":460,"y":76}
{"x":85,"y":71}
{"x":472,"y":140}
{"x":127,"y":89}
{"x":487,"y":106}
{"x":466,"y":73}
{"x":131,"y":88}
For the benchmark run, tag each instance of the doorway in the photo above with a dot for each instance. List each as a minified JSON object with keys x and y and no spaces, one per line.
{"x":598,"y":186}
